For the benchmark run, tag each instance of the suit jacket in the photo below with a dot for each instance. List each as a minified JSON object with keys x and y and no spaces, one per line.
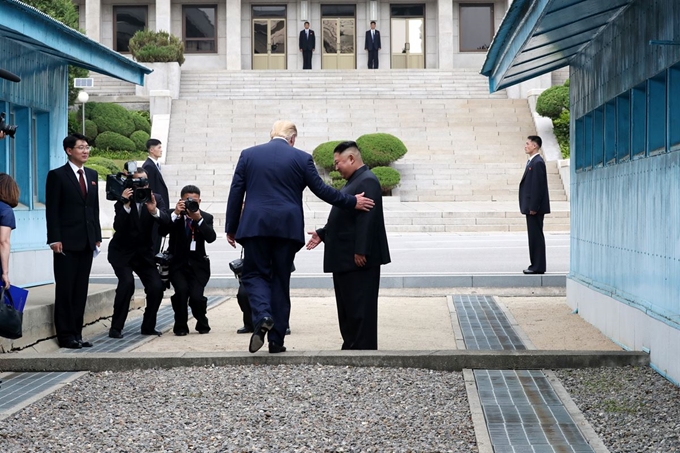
{"x":72,"y":219}
{"x":533,"y":189}
{"x":133,"y":231}
{"x":356,"y":232}
{"x":307,"y":43}
{"x":372,"y":44}
{"x":273,"y":176}
{"x":156,"y":181}
{"x":180,"y":243}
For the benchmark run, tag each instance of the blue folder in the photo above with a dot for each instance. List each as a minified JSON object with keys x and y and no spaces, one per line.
{"x":19,"y":296}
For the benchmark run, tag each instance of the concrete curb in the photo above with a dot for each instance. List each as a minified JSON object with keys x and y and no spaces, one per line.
{"x":435,"y":360}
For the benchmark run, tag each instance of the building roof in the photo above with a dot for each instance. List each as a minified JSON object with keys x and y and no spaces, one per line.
{"x":540,"y":36}
{"x":35,"y":30}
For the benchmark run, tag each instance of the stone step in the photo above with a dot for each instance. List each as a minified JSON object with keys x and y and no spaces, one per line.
{"x":109,"y":86}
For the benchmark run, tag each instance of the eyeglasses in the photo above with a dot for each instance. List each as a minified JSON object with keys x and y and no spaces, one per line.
{"x":83,"y":147}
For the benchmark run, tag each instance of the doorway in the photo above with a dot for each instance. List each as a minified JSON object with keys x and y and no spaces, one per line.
{"x":408,"y":36}
{"x":338,"y":37}
{"x":269,"y":37}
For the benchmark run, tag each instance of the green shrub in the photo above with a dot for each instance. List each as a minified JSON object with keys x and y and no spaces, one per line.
{"x":566,"y":83}
{"x":141,"y":123}
{"x":73,"y":123}
{"x":112,"y":118}
{"x":336,"y":180}
{"x":380,"y":149}
{"x":115,"y":142}
{"x":91,"y":130}
{"x":101,"y":171}
{"x":144,"y":114}
{"x":139,"y":138}
{"x":553,"y":101}
{"x":148,"y":46}
{"x":561,"y":130}
{"x":389,"y":177}
{"x":123,"y":156}
{"x":323,"y":155}
{"x":108,"y":164}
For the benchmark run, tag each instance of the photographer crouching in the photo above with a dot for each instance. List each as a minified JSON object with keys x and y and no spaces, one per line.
{"x":131,"y":248}
{"x":190,"y":229}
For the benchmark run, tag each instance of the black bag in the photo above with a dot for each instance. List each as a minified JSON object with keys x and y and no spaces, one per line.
{"x":10,"y":317}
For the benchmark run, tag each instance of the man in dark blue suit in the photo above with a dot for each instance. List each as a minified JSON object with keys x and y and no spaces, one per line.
{"x":534,"y":203}
{"x":372,"y":45}
{"x":271,"y":227}
{"x":307,"y":45}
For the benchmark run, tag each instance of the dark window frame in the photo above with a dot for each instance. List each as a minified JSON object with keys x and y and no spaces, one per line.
{"x":115,"y":23}
{"x":460,"y":27}
{"x":184,"y":25}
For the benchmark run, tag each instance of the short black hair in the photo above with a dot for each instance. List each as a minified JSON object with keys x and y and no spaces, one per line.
{"x":372,"y":22}
{"x":536,"y":139}
{"x":71,"y":140}
{"x":152,"y":142}
{"x":190,"y":189}
{"x":306,"y":23}
{"x":344,"y":146}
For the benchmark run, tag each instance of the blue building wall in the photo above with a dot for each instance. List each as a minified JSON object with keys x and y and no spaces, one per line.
{"x":625,"y":181}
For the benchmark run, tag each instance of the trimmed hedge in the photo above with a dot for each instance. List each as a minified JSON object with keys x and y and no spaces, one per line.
{"x":118,"y":155}
{"x":112,"y":118}
{"x":141,"y":123}
{"x":101,"y":171}
{"x":148,"y":46}
{"x":73,"y":123}
{"x":113,"y":141}
{"x":553,"y":101}
{"x":389,"y":177}
{"x":140,"y":138}
{"x":561,"y":130}
{"x":105,"y":163}
{"x":336,"y":180}
{"x":91,"y":130}
{"x":323,"y":155}
{"x":379,"y":150}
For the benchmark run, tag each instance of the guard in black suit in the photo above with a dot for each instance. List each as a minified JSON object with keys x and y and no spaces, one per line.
{"x":152,"y":167}
{"x":73,"y":234}
{"x":372,"y":45}
{"x":131,"y":250}
{"x":534,"y":203}
{"x":190,"y":229}
{"x":356,"y":247}
{"x":307,"y":46}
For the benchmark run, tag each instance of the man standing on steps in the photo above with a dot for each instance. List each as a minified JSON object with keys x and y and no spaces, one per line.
{"x":372,"y":45}
{"x":152,"y":166}
{"x":271,"y":228}
{"x":534,"y":203}
{"x":307,"y":46}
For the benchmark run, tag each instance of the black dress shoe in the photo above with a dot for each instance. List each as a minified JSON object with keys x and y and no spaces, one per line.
{"x":115,"y":333}
{"x":71,"y":344}
{"x":245,"y":329}
{"x":529,"y":271}
{"x":85,"y":344}
{"x":257,"y":339}
{"x":204,"y":331}
{"x":152,"y":332}
{"x":182,"y":333}
{"x":275,"y":348}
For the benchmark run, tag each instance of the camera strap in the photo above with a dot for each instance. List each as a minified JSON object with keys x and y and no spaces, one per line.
{"x":163,"y":245}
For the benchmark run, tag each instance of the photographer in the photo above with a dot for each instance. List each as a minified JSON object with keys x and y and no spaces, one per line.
{"x":131,"y":250}
{"x":190,"y":229}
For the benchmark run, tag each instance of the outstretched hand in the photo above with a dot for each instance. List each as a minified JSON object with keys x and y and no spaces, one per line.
{"x":313,"y":241}
{"x":363,"y":203}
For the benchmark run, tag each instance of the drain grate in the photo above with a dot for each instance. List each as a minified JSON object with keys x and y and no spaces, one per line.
{"x":484,"y":325}
{"x":18,"y":388}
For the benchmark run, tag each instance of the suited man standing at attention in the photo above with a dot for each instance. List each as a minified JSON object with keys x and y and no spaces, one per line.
{"x":534,"y":203}
{"x":73,"y":234}
{"x":356,"y":247}
{"x":152,"y":166}
{"x":372,"y":45}
{"x":307,"y":46}
{"x":271,"y":227}
{"x":131,"y":250}
{"x":190,"y":229}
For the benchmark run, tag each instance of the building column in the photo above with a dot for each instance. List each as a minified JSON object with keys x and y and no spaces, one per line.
{"x":163,"y":15}
{"x":445,"y":36}
{"x":233,"y":8}
{"x":93,"y":14}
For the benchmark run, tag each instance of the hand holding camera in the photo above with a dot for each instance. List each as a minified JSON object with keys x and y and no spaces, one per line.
{"x":188,"y":207}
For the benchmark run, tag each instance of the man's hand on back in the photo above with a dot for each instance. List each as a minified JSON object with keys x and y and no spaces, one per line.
{"x":363,"y":203}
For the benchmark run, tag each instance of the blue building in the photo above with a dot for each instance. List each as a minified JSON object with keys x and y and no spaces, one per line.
{"x":624,"y":59}
{"x":39,"y":49}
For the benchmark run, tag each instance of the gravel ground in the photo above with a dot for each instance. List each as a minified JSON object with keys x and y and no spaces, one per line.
{"x":249,"y":409}
{"x":631,"y":409}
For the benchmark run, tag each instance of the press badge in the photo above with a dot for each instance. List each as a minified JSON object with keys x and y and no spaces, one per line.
{"x":192,"y":247}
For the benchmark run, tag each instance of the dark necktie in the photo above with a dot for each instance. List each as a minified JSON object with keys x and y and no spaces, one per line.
{"x":81,"y":179}
{"x":188,"y":226}
{"x":159,"y":166}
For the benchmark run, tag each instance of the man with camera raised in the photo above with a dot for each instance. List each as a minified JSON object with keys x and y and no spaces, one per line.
{"x":131,"y":250}
{"x":190,"y":229}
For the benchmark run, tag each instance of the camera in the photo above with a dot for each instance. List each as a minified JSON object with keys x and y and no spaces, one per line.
{"x":191,"y":205}
{"x":116,"y":184}
{"x":9,"y":130}
{"x":236,"y":267}
{"x":163,"y":262}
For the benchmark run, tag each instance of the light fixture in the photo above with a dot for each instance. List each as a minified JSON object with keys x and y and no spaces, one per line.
{"x":83,"y":97}
{"x":304,"y":10}
{"x":373,"y":10}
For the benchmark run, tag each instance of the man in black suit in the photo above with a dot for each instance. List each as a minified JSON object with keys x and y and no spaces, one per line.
{"x":152,"y":166}
{"x":131,"y":250}
{"x":534,"y":203}
{"x":307,"y":46}
{"x":73,"y":234}
{"x":356,"y":247}
{"x":190,"y":229}
{"x":372,"y":45}
{"x":273,"y":177}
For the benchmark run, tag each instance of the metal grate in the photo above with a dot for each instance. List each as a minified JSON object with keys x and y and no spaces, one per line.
{"x":18,"y":388}
{"x":484,"y":325}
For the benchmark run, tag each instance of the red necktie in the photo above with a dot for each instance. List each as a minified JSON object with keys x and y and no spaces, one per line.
{"x":81,"y":179}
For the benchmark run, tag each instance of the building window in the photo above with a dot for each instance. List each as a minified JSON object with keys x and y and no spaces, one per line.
{"x":407,"y":10}
{"x":579,"y":142}
{"x":674,"y":108}
{"x":656,"y":124}
{"x":127,"y":20}
{"x":476,"y":27}
{"x":623,"y":127}
{"x":199,"y":29}
{"x":40,"y":140}
{"x":610,"y":133}
{"x":269,"y":11}
{"x":598,"y":137}
{"x":588,"y":141}
{"x":638,"y":120}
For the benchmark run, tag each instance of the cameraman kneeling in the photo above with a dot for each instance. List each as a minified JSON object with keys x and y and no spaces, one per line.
{"x":190,"y":229}
{"x":131,"y":250}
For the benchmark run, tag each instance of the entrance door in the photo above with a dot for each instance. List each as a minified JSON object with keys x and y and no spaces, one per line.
{"x":338,"y":43}
{"x":408,"y":51}
{"x":269,"y":43}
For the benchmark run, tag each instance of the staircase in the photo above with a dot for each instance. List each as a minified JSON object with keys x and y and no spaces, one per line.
{"x":465,"y":158}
